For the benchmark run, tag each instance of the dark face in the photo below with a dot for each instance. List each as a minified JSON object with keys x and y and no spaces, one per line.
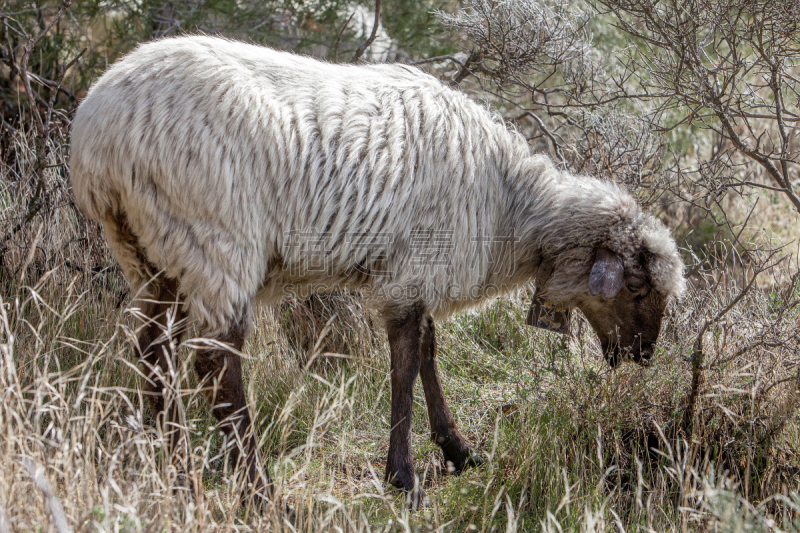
{"x":629,"y":323}
{"x":621,"y":305}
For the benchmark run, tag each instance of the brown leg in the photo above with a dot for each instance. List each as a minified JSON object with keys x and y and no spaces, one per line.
{"x":404,"y":342}
{"x":220,"y":374}
{"x":443,"y":427}
{"x":156,"y":351}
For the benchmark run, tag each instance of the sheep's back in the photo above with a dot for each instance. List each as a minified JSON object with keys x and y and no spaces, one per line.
{"x":224,"y":154}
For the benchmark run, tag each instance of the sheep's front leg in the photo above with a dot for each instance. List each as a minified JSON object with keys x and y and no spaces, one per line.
{"x":405,"y":338}
{"x":443,"y":426}
{"x":220,"y":374}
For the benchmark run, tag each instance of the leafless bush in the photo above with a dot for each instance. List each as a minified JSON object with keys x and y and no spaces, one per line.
{"x":37,"y":202}
{"x":726,"y":66}
{"x":515,"y":39}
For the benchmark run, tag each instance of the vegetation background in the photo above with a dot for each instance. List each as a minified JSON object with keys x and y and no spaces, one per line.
{"x":692,"y":105}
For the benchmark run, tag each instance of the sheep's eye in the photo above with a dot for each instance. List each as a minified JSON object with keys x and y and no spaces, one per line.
{"x":635,"y":287}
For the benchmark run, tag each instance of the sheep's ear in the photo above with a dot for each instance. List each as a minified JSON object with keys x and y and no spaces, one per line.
{"x":546,"y":316}
{"x":608,"y":274}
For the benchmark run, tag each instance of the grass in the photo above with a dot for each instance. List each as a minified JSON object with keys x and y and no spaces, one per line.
{"x":570,"y":445}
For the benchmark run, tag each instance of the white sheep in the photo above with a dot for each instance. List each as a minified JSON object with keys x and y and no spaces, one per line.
{"x":223,"y":172}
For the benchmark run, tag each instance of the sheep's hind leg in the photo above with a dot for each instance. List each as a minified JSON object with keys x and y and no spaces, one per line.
{"x":404,"y":343}
{"x":220,"y":374}
{"x":443,"y":427}
{"x":162,"y":312}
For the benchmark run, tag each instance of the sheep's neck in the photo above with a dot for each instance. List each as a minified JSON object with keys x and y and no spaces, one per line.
{"x":535,"y":221}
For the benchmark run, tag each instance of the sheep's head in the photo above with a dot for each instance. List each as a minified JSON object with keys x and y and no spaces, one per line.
{"x":623,"y":290}
{"x":623,"y":308}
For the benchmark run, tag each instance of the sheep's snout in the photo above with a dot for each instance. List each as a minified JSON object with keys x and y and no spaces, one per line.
{"x":628,"y":325}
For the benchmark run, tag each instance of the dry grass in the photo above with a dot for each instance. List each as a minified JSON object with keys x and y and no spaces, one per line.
{"x":570,"y":444}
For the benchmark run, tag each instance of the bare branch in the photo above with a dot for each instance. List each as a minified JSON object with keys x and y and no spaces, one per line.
{"x":339,"y":37}
{"x":361,"y":49}
{"x":438,"y":58}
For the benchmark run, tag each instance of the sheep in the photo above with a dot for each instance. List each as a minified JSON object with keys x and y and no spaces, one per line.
{"x":225,"y":172}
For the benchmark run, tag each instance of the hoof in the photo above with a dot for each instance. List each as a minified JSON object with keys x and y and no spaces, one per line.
{"x":457,"y":463}
{"x":414,"y":494}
